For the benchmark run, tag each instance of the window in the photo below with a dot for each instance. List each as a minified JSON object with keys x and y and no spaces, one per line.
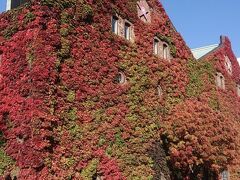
{"x":159,"y":91}
{"x":127,"y":31}
{"x":225,"y":175}
{"x":228,"y":65}
{"x":165,"y":51}
{"x":220,"y":80}
{"x":156,"y":45}
{"x":161,"y":49}
{"x":115,"y":24}
{"x":144,"y":11}
{"x":121,"y":78}
{"x":11,"y":4}
{"x":122,"y":28}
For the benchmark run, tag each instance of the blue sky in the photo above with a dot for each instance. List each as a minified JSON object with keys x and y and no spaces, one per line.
{"x":201,"y":22}
{"x":2,"y":5}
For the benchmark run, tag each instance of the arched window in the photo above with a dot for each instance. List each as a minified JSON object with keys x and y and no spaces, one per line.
{"x":220,"y":80}
{"x":121,"y":78}
{"x":115,"y":24}
{"x":156,"y":45}
{"x":127,"y":30}
{"x":159,"y":91}
{"x":165,"y":51}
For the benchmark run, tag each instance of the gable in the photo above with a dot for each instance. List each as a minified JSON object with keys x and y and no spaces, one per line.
{"x":201,"y":51}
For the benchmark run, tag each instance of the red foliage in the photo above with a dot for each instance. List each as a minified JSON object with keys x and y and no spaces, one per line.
{"x":61,"y":107}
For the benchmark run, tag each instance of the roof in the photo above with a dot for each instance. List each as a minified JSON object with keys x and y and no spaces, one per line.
{"x":200,"y":52}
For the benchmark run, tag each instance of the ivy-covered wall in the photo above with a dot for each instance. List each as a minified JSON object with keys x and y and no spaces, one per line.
{"x":64,"y":116}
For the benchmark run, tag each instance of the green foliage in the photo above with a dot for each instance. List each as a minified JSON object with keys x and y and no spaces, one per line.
{"x":86,"y":11}
{"x":65,"y":50}
{"x":5,"y":161}
{"x":118,"y":139}
{"x":29,"y":17}
{"x":58,"y":3}
{"x":75,"y":131}
{"x":198,"y":70}
{"x":10,"y":30}
{"x":67,"y":162}
{"x":71,"y":96}
{"x":64,"y":32}
{"x":91,"y":169}
{"x":71,"y":114}
{"x":214,"y":101}
{"x":101,"y":141}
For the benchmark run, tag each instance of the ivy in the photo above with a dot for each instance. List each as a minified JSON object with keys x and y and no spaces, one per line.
{"x":91,"y":169}
{"x":169,"y":41}
{"x":197,"y":72}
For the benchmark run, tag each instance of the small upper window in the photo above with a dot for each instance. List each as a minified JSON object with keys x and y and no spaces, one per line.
{"x":228,"y":65}
{"x":11,"y":4}
{"x":144,"y":11}
{"x":127,"y":30}
{"x":220,"y":80}
{"x":115,"y":24}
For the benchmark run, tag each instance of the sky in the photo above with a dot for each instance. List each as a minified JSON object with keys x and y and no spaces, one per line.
{"x":201,"y":22}
{"x":2,"y":5}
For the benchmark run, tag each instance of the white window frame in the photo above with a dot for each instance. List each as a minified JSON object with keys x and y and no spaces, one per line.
{"x":165,"y":51}
{"x":225,"y":175}
{"x":115,"y":25}
{"x":156,"y":45}
{"x":127,"y":30}
{"x":220,"y":80}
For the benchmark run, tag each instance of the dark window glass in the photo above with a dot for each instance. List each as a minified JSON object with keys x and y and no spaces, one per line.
{"x":115,"y":25}
{"x":127,"y":31}
{"x":16,"y":3}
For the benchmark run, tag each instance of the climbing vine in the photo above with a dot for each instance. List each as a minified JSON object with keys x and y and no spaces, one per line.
{"x":63,"y":115}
